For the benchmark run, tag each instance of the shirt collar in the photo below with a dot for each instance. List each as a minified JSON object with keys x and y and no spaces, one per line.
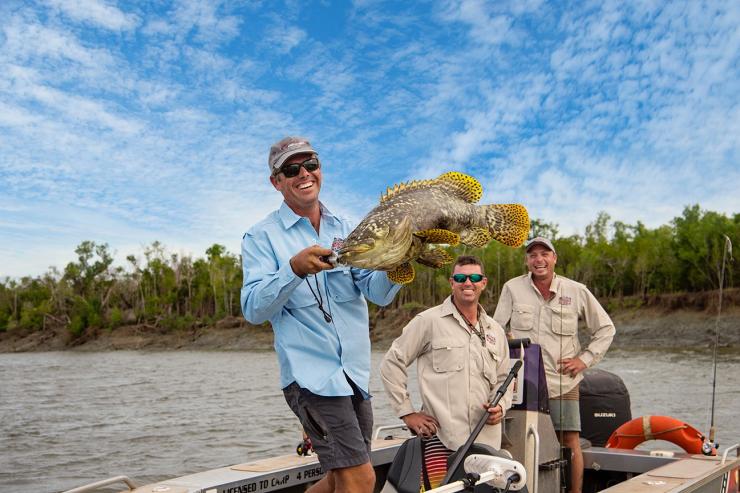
{"x":448,"y":308}
{"x":554,"y":285}
{"x":289,"y":218}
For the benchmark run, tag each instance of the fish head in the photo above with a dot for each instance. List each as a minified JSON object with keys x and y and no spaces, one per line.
{"x":377,"y":243}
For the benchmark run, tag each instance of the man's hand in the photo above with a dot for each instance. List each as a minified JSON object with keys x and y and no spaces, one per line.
{"x":495,"y":414}
{"x":421,"y":424}
{"x":308,"y":261}
{"x":571,"y":366}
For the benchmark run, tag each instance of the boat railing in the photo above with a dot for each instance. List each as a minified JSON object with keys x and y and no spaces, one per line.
{"x":380,"y":429}
{"x":735,"y":447}
{"x":532,"y":431}
{"x":104,"y":482}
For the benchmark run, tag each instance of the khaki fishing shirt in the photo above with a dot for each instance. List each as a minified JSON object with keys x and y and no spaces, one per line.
{"x":553,"y":324}
{"x":457,"y":374}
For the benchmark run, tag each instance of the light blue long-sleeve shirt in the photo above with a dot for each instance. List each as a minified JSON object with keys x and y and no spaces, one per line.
{"x":311,"y":352}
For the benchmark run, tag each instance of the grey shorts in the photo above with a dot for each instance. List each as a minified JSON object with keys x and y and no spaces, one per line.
{"x":565,"y":414}
{"x":340,"y":427}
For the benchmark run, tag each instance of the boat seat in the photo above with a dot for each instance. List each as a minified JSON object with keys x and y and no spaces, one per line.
{"x":404,"y":475}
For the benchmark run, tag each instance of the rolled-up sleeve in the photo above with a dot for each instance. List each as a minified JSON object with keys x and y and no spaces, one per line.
{"x":394,"y":367}
{"x":601,"y":327}
{"x":502,"y":315}
{"x":266,"y":286}
{"x":502,"y":371}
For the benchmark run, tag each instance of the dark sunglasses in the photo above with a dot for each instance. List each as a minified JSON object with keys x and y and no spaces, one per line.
{"x":461,"y":278}
{"x":291,"y":170}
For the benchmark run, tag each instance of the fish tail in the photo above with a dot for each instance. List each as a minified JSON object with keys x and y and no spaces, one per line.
{"x":508,"y":223}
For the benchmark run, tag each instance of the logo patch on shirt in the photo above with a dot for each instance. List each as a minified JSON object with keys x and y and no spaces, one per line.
{"x":565,"y":300}
{"x":337,"y":244}
{"x":490,"y":339}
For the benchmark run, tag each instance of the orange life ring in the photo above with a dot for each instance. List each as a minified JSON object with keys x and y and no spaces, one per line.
{"x":639,"y":430}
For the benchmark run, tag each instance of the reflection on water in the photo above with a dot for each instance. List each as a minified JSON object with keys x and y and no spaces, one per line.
{"x":67,"y":418}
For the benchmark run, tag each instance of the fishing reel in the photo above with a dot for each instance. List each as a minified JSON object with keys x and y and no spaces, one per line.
{"x":709,"y":447}
{"x":499,"y":472}
{"x":305,"y":447}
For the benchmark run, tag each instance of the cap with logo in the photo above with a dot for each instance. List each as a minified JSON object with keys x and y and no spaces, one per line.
{"x":289,"y":146}
{"x":539,"y":240}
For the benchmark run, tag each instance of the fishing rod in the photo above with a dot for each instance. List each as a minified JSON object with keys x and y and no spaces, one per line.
{"x":708,"y":446}
{"x":479,"y":426}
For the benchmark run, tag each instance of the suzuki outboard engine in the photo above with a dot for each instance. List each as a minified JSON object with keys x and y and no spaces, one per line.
{"x":605,"y":405}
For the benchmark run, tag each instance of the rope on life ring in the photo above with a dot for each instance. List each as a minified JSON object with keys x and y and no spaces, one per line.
{"x":633,"y":433}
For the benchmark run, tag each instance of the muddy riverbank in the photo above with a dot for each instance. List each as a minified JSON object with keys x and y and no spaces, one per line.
{"x":668,"y":321}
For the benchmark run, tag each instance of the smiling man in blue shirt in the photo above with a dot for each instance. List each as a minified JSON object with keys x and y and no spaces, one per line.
{"x":319,"y":316}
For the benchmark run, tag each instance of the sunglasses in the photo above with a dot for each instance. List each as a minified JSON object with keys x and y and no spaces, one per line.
{"x":461,"y":278}
{"x":292,"y":170}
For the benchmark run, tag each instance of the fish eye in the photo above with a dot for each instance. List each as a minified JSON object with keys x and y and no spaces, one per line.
{"x":381,"y":232}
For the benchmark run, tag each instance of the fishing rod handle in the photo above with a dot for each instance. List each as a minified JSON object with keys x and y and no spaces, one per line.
{"x":481,"y":423}
{"x":499,"y":395}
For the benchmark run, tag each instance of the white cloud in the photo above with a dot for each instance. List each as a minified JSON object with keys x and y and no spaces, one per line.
{"x":486,"y":26}
{"x":204,"y":18}
{"x":163,"y":135}
{"x":96,"y":12}
{"x":284,"y":38}
{"x":26,"y":40}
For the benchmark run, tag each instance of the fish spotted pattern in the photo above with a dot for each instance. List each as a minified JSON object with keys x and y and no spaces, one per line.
{"x":413,"y":219}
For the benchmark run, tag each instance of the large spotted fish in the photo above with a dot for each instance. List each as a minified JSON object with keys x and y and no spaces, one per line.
{"x":414,"y":218}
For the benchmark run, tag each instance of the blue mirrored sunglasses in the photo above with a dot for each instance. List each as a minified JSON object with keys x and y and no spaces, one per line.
{"x":461,"y":278}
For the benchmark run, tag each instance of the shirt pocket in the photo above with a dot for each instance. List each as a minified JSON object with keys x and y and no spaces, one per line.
{"x":301,"y":296}
{"x":447,"y":356}
{"x":522,"y":317}
{"x":491,"y":361}
{"x":564,"y":320}
{"x":341,"y":285}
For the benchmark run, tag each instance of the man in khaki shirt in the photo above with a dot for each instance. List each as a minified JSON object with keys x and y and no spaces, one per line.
{"x":545,"y":308}
{"x":462,"y":358}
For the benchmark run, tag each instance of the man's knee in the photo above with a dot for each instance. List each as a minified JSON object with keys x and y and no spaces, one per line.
{"x":355,"y":479}
{"x":572,"y":440}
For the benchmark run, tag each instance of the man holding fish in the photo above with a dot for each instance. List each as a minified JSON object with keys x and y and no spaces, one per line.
{"x":319,"y":316}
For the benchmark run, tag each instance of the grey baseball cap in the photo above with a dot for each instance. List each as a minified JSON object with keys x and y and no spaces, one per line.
{"x":285,"y":148}
{"x":540,"y":241}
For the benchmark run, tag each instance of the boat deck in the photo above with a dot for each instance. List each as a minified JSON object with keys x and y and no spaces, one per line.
{"x":272,"y":474}
{"x":695,"y":473}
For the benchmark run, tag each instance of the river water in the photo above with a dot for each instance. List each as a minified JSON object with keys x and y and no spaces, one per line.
{"x":69,"y":418}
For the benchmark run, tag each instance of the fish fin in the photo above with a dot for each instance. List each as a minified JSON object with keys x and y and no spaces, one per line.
{"x":435,"y":257}
{"x":438,"y":235}
{"x":398,"y":188}
{"x":461,"y":185}
{"x":403,"y":274}
{"x":475,"y":237}
{"x":455,"y":183}
{"x":508,"y":223}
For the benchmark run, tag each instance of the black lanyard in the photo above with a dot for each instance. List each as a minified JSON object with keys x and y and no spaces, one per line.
{"x":472,"y":328}
{"x":319,"y":299}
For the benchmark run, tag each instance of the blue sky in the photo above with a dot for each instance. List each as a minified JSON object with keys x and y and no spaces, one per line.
{"x":130,"y":122}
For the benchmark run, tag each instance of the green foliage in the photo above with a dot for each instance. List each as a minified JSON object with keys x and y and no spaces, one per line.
{"x":115,"y":318}
{"x":77,"y":325}
{"x":175,"y":323}
{"x":32,"y":317}
{"x":412,"y":305}
{"x":176,"y":292}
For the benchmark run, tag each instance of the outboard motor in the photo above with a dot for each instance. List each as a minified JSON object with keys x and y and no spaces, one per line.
{"x":605,"y":405}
